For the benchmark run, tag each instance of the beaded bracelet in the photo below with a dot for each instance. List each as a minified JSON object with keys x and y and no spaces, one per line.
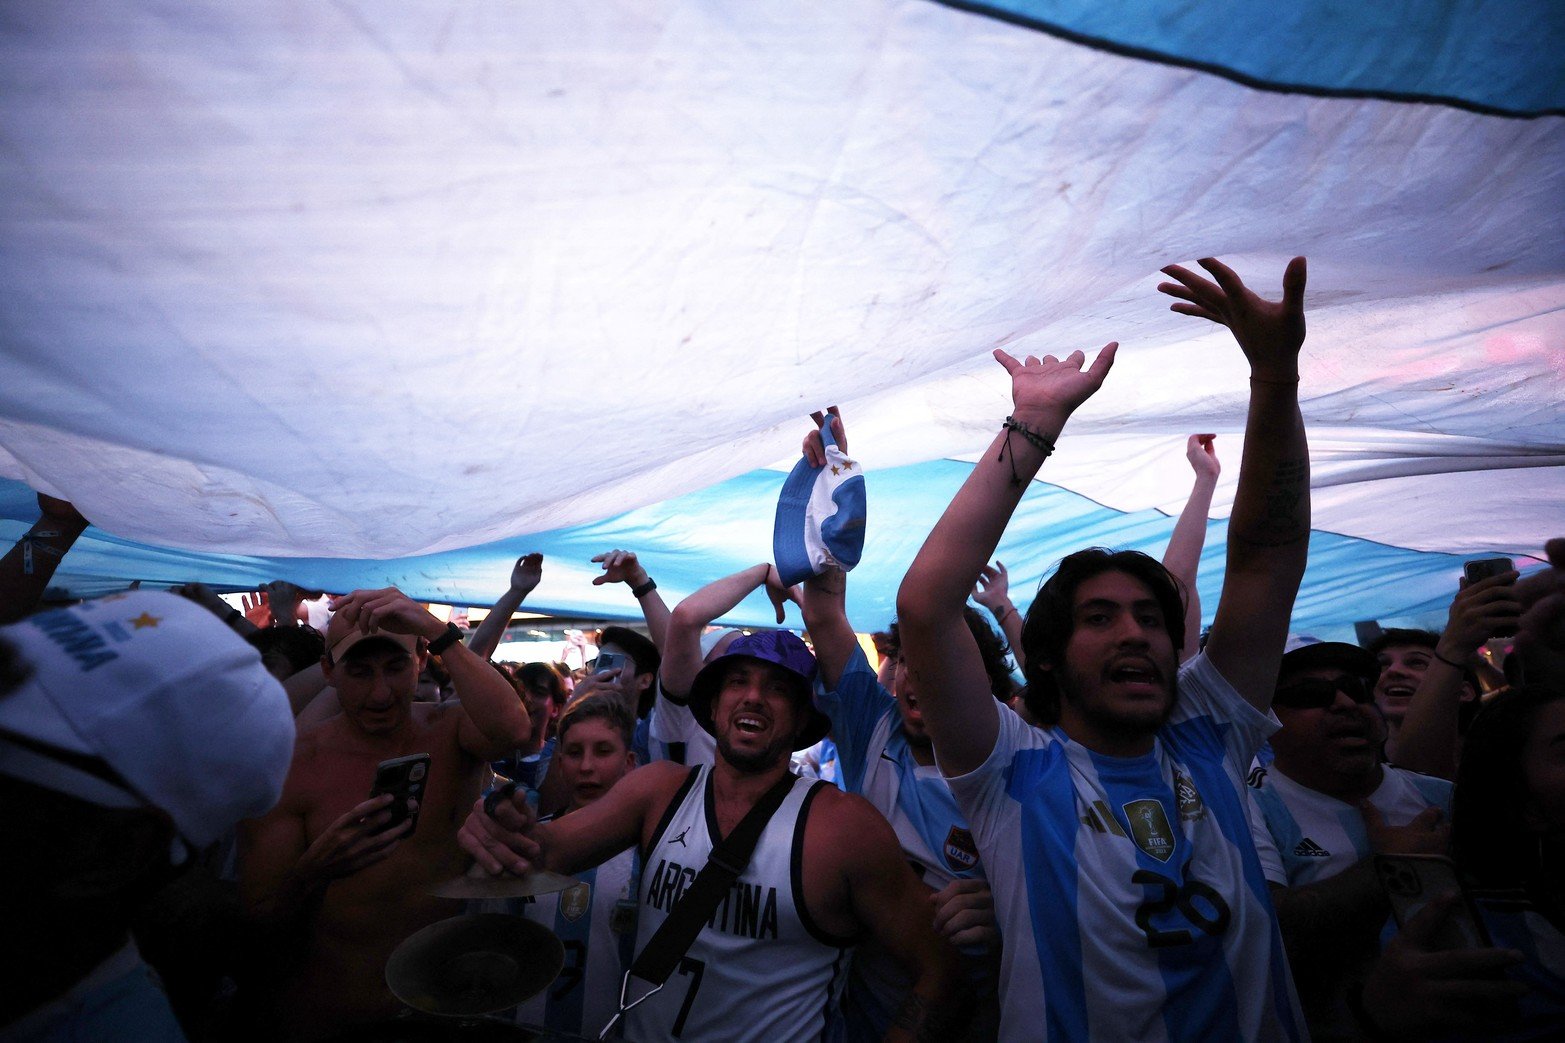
{"x":1034,"y":439}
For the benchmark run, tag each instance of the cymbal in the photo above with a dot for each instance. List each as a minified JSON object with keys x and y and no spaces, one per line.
{"x":472,"y":965}
{"x":506,"y":885}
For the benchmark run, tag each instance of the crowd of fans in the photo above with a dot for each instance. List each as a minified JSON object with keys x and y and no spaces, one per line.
{"x":1089,"y":821}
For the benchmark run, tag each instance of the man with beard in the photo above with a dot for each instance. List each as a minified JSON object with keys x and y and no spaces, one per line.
{"x":825,"y":871}
{"x":1116,"y":837}
{"x":1329,"y":805}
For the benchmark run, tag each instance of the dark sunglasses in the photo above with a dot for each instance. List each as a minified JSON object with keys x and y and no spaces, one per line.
{"x":1317,"y":694}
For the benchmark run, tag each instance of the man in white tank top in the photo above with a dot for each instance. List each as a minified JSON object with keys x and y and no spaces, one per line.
{"x":826,"y":870}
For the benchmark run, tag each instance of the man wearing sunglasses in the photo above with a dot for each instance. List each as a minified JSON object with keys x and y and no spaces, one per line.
{"x":1328,"y":804}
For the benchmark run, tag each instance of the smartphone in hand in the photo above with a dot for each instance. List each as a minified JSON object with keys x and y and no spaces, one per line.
{"x":609,"y":662}
{"x":404,"y":778}
{"x":1483,"y":568}
{"x":1413,"y":881}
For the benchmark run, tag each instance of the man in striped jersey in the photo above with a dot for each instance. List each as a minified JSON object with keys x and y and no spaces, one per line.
{"x":1129,"y":894}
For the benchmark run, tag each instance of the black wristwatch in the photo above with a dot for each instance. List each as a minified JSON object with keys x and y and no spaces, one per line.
{"x":452,"y":636}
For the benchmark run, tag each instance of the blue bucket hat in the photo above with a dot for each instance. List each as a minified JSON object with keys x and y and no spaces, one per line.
{"x":820,"y":515}
{"x":779,"y":648}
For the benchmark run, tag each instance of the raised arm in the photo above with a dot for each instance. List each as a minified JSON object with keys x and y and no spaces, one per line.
{"x":494,"y":720}
{"x":994,"y":593}
{"x":682,"y":654}
{"x":28,"y":567}
{"x":525,"y":575}
{"x":1183,"y":556}
{"x":621,"y":566}
{"x":1426,"y":741}
{"x":823,"y":597}
{"x":1269,"y":529}
{"x":959,"y":711}
{"x":208,"y":599}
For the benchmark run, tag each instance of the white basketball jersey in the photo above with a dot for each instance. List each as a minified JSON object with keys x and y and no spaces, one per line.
{"x":760,"y":971}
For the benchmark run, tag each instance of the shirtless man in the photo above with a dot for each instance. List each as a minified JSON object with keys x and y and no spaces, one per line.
{"x":336,"y":895}
{"x":826,"y":871}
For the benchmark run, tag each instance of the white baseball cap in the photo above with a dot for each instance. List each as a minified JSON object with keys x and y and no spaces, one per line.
{"x":147,"y":699}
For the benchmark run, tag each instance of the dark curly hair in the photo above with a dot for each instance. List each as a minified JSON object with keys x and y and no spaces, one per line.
{"x":991,"y":646}
{"x":1051,"y":618}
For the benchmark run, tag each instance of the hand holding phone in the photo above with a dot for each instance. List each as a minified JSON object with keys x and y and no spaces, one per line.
{"x":608,"y":662}
{"x":1493,"y":609}
{"x":1411,"y":882}
{"x":404,"y":778}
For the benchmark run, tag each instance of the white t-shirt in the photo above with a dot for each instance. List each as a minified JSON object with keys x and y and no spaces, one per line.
{"x":1315,"y":836}
{"x":675,"y":733}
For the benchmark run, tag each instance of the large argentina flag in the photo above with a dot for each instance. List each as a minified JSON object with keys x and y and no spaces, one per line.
{"x":360,"y":292}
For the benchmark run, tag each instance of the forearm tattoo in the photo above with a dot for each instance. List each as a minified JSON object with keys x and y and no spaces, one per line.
{"x":1281,"y":519}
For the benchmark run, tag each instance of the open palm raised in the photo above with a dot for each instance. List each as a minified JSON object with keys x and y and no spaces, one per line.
{"x":1055,"y":386}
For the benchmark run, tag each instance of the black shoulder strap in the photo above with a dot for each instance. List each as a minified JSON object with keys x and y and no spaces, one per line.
{"x":695,"y":907}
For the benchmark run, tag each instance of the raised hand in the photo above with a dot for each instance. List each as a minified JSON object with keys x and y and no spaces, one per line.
{"x":994,"y":588}
{"x":1202,"y":454}
{"x":387,"y":609}
{"x":1055,"y":387}
{"x":1270,"y":333}
{"x":257,"y":608}
{"x":207,"y":598}
{"x":284,"y":598}
{"x":815,"y":446}
{"x":619,"y":566}
{"x":619,"y":684}
{"x":1480,"y":611}
{"x":527,"y":572}
{"x":778,"y":594}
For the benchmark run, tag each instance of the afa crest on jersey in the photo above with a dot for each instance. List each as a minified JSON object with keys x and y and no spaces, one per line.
{"x":1149,"y":828}
{"x":960,"y":850}
{"x":575,"y":901}
{"x":1191,"y":807}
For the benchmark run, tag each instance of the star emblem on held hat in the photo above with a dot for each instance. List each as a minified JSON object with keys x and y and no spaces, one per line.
{"x":146,"y":619}
{"x":835,"y":469}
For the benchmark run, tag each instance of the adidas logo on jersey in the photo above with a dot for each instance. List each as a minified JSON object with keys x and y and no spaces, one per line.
{"x":1307,"y":848}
